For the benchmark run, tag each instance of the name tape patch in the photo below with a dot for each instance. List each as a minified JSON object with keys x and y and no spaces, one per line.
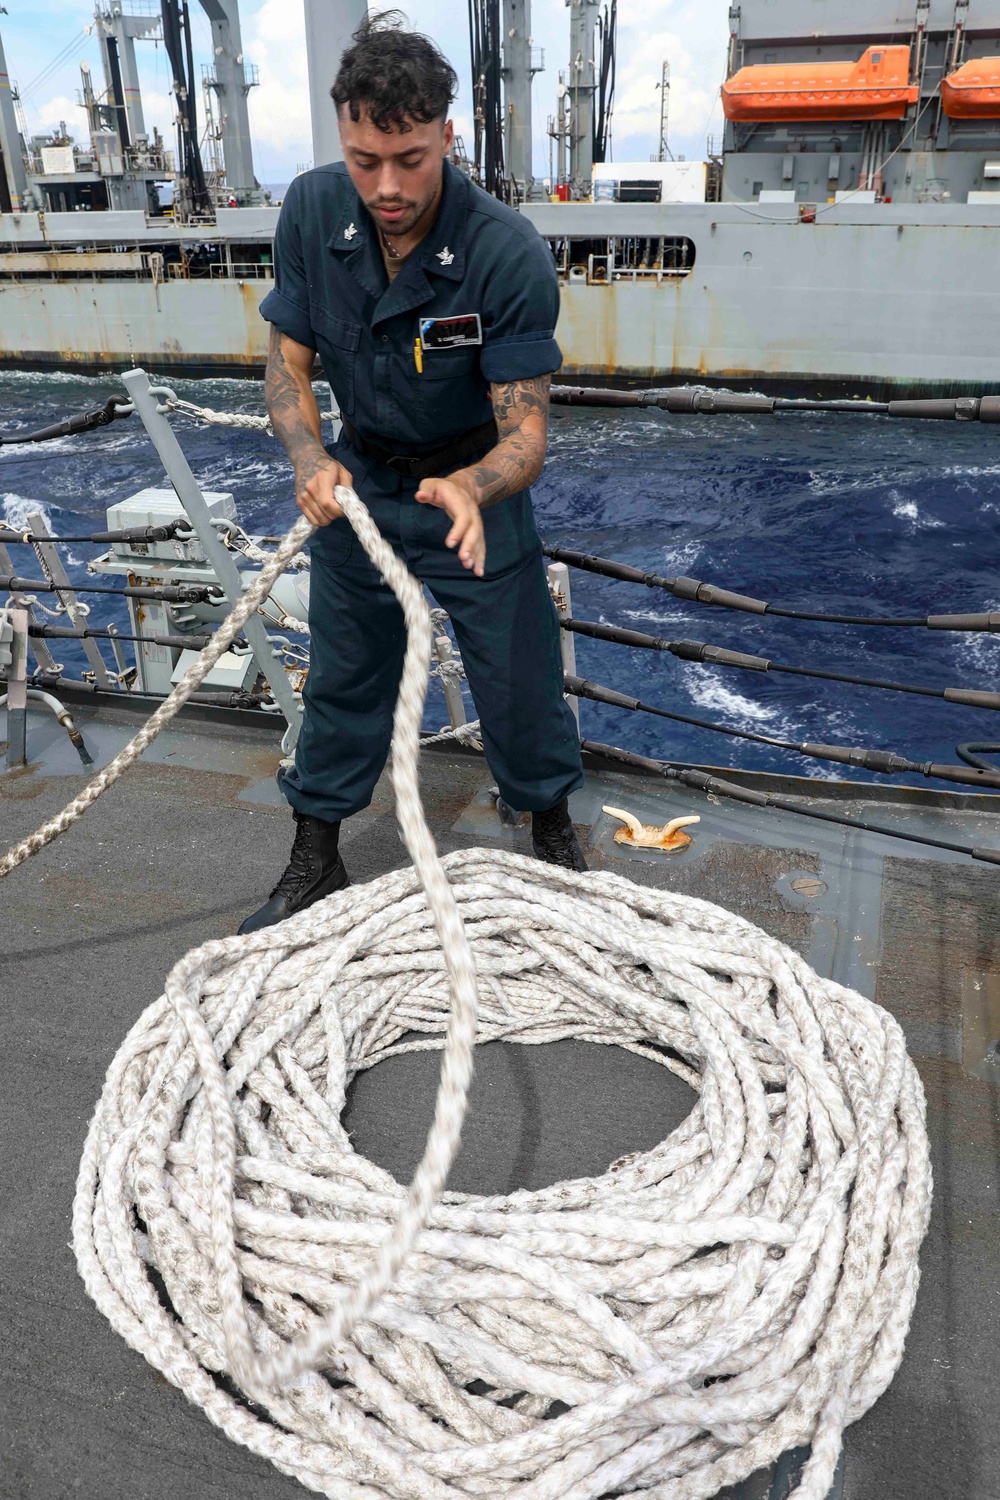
{"x":450,"y":333}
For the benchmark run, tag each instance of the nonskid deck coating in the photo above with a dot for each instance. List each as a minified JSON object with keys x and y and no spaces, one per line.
{"x":185,"y":845}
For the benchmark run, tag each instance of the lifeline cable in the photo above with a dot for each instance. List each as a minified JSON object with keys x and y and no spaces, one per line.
{"x":113,"y":410}
{"x":694,"y":591}
{"x":884,"y":762}
{"x":722,"y":656}
{"x":743,"y":1288}
{"x":222,"y":698}
{"x":169,"y":593}
{"x":701,"y":400}
{"x":93,"y":633}
{"x":164,"y":533}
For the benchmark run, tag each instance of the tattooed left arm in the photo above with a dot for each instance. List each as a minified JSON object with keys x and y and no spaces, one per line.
{"x":521,"y":408}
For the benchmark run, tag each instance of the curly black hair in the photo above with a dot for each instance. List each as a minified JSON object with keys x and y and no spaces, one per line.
{"x":395,"y":76}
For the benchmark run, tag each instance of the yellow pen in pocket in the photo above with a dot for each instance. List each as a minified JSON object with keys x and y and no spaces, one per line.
{"x":418,"y":355}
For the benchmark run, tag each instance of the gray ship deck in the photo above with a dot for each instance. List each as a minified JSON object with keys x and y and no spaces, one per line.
{"x":185,"y":845}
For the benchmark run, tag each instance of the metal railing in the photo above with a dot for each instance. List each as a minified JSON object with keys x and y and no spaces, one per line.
{"x":240,"y":270}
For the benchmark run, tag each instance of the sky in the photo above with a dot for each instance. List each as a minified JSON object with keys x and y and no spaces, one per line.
{"x":46,"y":40}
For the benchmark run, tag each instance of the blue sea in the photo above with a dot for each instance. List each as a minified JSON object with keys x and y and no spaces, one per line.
{"x":849,"y":515}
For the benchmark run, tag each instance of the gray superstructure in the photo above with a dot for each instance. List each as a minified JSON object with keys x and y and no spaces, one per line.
{"x":923,"y":157}
{"x":839,"y":255}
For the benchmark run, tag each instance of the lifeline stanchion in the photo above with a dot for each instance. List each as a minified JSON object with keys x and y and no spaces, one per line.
{"x":742,"y":1289}
{"x":13,"y":647}
{"x":198,"y":670}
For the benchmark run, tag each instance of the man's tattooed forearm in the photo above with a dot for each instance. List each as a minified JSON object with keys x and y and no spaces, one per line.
{"x":515,"y":400}
{"x":521,"y":408}
{"x":288,"y":406}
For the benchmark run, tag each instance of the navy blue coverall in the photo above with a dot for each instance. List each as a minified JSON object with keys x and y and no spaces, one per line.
{"x":332,"y":294}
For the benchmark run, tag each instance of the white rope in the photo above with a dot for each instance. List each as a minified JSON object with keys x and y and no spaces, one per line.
{"x":249,"y":548}
{"x":451,"y":668}
{"x":744,"y":1287}
{"x":218,"y":418}
{"x":286,"y":622}
{"x":192,"y":679}
{"x":465,"y":734}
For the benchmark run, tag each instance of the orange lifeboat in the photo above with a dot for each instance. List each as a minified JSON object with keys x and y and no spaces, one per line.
{"x":875,"y":88}
{"x":973,"y":92}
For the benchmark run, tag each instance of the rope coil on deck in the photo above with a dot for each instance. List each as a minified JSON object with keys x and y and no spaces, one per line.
{"x":665,"y":1329}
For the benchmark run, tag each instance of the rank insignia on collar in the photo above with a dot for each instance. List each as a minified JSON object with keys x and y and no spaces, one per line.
{"x":350,"y":231}
{"x":445,"y":256}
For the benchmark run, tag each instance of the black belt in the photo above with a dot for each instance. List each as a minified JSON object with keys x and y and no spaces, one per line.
{"x":423,"y":465}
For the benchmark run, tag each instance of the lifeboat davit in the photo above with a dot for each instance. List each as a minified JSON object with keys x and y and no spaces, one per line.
{"x":973,"y":92}
{"x":877,"y":87}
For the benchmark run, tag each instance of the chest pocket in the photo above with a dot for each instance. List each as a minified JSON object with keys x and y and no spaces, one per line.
{"x":452,"y":364}
{"x":451,"y":391}
{"x":339,"y":342}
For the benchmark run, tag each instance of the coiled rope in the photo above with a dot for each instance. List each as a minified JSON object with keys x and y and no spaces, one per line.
{"x":665,"y":1329}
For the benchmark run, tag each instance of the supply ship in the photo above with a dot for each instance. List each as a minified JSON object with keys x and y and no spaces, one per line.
{"x":842,"y":239}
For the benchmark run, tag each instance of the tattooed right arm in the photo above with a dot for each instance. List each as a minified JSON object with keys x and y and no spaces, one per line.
{"x":294,"y":414}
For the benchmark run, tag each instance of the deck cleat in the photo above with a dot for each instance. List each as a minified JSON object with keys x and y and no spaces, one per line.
{"x":670,"y":838}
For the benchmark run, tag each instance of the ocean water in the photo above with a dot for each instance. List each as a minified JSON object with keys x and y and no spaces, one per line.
{"x":850,"y":515}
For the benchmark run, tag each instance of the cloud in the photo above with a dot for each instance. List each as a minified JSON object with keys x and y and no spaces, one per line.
{"x":158,"y":110}
{"x":692,"y":37}
{"x":44,"y":119}
{"x":274,"y":39}
{"x":637,"y":101}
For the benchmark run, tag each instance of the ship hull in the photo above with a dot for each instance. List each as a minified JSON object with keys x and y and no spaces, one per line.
{"x":875,"y":298}
{"x":190,"y":328}
{"x":883,"y":299}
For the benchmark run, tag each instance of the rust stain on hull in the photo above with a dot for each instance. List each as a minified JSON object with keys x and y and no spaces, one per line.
{"x":159,"y":361}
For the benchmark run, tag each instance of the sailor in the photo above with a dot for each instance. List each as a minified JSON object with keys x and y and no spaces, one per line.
{"x":432,"y":307}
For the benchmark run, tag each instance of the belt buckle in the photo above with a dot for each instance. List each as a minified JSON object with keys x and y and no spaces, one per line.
{"x":403,"y":465}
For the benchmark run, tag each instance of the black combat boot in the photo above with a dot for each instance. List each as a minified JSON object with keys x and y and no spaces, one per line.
{"x":553,"y":838}
{"x":315,"y":869}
